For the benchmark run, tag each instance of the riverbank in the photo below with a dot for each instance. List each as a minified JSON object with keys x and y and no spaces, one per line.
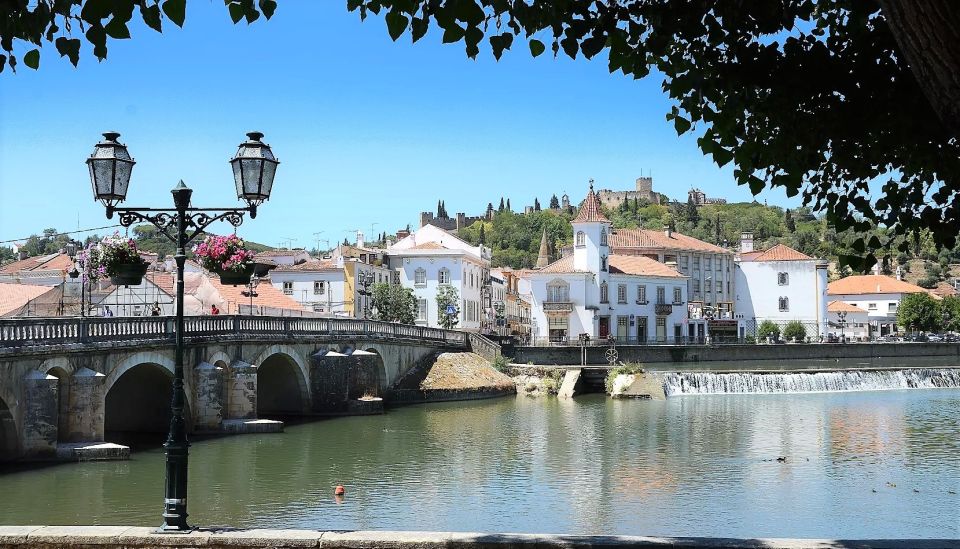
{"x":48,"y":537}
{"x":451,"y":377}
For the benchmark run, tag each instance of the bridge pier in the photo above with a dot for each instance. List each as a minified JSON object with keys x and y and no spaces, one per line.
{"x":208,"y":399}
{"x":241,"y":391}
{"x":40,"y":400}
{"x":86,"y":406}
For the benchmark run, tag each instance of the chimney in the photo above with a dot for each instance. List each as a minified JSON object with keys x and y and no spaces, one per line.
{"x":359,"y":239}
{"x":21,"y":255}
{"x":746,"y":242}
{"x":668,"y":231}
{"x":899,"y":273}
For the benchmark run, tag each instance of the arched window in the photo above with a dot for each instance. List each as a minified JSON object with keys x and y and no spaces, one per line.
{"x":420,"y":277}
{"x":581,"y":239}
{"x":603,"y":263}
{"x":604,"y":296}
{"x":558,"y":291}
{"x":443,"y":277}
{"x":784,"y":304}
{"x":603,"y":237}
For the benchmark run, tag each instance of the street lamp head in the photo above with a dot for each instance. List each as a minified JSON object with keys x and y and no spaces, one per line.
{"x":110,"y":168}
{"x":253,"y":169}
{"x":74,"y":273}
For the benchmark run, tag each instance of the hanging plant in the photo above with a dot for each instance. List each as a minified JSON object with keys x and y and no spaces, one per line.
{"x":226,"y":256}
{"x":116,"y":257}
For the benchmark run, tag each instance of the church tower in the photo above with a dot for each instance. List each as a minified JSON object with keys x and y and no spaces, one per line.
{"x":590,"y":231}
{"x":543,"y":259}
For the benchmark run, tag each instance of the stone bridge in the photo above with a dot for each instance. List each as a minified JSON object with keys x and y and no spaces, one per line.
{"x":67,"y":381}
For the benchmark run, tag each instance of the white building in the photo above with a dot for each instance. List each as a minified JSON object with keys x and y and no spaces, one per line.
{"x":597,"y":293}
{"x":431,"y":258}
{"x":879,"y":295}
{"x":335,"y":287}
{"x":282,"y":257}
{"x":781,"y":285}
{"x":847,"y":322}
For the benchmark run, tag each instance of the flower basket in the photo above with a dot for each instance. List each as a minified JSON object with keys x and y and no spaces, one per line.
{"x":128,"y":274}
{"x":237,"y":278}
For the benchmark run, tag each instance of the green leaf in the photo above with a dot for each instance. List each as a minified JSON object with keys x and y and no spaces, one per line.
{"x":396,"y":24}
{"x":536,"y":47}
{"x":32,"y":59}
{"x":268,"y":7}
{"x":418,"y":28}
{"x":116,"y":28}
{"x":721,"y":156}
{"x":70,"y":48}
{"x":151,"y":16}
{"x":453,"y":33}
{"x":681,"y":124}
{"x":176,"y":10}
{"x":236,"y":12}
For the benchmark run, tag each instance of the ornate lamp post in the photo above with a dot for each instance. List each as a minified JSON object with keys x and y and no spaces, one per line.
{"x":110,"y":167}
{"x":72,"y":247}
{"x":366,"y":279}
{"x":842,"y":320}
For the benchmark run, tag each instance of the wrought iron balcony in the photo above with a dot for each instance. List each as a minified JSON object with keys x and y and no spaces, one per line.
{"x":663,"y":308}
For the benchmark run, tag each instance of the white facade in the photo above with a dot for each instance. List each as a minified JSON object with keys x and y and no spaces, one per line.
{"x":847,"y":322}
{"x":782,"y":291}
{"x":881,"y":309}
{"x":320,"y":290}
{"x":432,"y":258}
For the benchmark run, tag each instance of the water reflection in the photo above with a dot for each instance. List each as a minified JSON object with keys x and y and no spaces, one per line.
{"x":853,"y":465}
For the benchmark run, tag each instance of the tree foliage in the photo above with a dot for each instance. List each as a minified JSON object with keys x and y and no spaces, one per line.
{"x":794,"y":331}
{"x":394,"y":303}
{"x":813,"y":96}
{"x":919,"y":311}
{"x":448,"y":296}
{"x":768,"y":329}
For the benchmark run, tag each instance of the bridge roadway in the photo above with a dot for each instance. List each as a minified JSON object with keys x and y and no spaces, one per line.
{"x":71,"y":381}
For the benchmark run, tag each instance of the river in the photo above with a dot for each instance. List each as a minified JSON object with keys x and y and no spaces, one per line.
{"x":857,"y":465}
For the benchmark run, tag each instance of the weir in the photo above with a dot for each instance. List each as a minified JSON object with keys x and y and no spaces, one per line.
{"x":710,"y":383}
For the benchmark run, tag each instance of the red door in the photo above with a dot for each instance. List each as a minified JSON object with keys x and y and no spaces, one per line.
{"x":604,"y":327}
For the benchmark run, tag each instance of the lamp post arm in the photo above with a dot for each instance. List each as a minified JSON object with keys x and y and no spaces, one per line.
{"x":167,"y":219}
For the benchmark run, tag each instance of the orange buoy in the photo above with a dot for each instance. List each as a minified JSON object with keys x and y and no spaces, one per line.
{"x":339,"y":490}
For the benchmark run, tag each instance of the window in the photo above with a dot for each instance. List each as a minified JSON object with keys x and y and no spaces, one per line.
{"x":603,"y":293}
{"x":622,"y":293}
{"x":558,"y":291}
{"x":891,"y":307}
{"x":783,"y":279}
{"x":696,"y":263}
{"x":696,"y":285}
{"x":684,"y":262}
{"x":641,"y":294}
{"x":581,"y":239}
{"x":443,"y":276}
{"x":319,"y":287}
{"x":603,"y":263}
{"x":871,"y":306}
{"x":288,"y":288}
{"x":784,"y":305}
{"x":603,"y":237}
{"x":677,"y":295}
{"x":420,"y":277}
{"x":719,"y":287}
{"x":728,"y":287}
{"x":707,"y":264}
{"x":422,"y":310}
{"x":661,"y":294}
{"x":708,"y":286}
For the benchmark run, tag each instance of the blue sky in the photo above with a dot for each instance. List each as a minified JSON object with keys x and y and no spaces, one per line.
{"x":367,"y":130}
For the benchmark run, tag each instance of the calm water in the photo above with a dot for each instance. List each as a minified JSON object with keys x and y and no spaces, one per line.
{"x":693,"y":465}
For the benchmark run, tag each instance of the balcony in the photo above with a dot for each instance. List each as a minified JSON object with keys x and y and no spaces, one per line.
{"x":557,"y":307}
{"x":663,"y":309}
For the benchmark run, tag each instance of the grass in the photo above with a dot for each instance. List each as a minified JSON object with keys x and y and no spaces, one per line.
{"x":625,"y":369}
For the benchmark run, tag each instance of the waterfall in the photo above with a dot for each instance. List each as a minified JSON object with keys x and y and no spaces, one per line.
{"x":710,"y":383}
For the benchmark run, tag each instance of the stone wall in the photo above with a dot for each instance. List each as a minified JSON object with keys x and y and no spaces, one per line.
{"x":70,"y":537}
{"x":702,"y":353}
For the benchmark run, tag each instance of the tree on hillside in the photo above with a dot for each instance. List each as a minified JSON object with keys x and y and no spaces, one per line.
{"x":690,"y":212}
{"x":536,"y":204}
{"x":483,"y":235}
{"x":918,"y":312}
{"x":788,"y":91}
{"x":509,"y":209}
{"x":448,"y":306}
{"x":502,"y":207}
{"x":554,"y":203}
{"x":950,"y":313}
{"x":788,"y":221}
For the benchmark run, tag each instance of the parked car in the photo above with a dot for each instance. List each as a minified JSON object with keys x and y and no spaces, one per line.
{"x":935,"y":338}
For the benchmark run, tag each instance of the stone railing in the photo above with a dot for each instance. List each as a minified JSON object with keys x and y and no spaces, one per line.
{"x":39,"y":332}
{"x":484,"y":347}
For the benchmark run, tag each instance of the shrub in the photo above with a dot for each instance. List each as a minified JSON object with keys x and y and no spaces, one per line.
{"x":794,"y":331}
{"x":625,"y":369}
{"x":750,"y":339}
{"x":500,"y":363}
{"x":768,"y":329}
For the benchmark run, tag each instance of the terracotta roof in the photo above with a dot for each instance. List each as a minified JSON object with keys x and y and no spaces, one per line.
{"x":267,"y":296}
{"x":562,"y":265}
{"x":429,"y":246}
{"x":621,"y":239}
{"x":310,"y":266}
{"x":639,"y":265}
{"x":843,"y":307}
{"x":279,"y":253}
{"x":871,"y":284}
{"x":944,"y":289}
{"x":590,"y":210}
{"x":14,"y":296}
{"x":779,"y":252}
{"x":50,"y":262}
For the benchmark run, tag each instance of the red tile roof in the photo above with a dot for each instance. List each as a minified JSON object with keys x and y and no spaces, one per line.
{"x":50,"y":262}
{"x":310,"y":266}
{"x":843,"y":307}
{"x":639,"y":265}
{"x":779,"y":252}
{"x":562,"y":265}
{"x":590,"y":210}
{"x":14,"y":296}
{"x":267,"y":296}
{"x":943,"y":289}
{"x":871,"y":284}
{"x":626,"y":239}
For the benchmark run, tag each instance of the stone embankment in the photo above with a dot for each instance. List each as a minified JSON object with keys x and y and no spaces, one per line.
{"x":640,"y":385}
{"x":125,"y":537}
{"x":454,"y":376}
{"x":536,"y":382}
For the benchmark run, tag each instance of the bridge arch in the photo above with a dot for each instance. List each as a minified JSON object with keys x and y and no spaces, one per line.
{"x":137,"y":397}
{"x":282,"y":382}
{"x":9,"y":441}
{"x":377,"y":371}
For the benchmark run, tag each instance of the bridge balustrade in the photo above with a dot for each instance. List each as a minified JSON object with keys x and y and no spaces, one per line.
{"x":59,"y":331}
